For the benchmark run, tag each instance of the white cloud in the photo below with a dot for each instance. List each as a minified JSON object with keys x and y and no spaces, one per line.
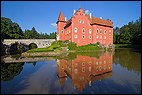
{"x":88,"y":11}
{"x":53,"y":24}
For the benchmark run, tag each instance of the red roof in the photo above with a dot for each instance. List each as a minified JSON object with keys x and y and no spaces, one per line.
{"x":61,"y":17}
{"x":99,"y":21}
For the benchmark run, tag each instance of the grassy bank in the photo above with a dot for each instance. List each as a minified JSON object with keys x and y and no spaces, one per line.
{"x":67,"y":46}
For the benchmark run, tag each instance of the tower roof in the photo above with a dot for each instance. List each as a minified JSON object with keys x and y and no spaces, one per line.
{"x":61,"y":17}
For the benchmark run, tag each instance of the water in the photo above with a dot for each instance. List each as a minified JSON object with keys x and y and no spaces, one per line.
{"x":88,"y":73}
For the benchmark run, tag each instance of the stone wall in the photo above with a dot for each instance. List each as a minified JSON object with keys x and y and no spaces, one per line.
{"x":41,"y":43}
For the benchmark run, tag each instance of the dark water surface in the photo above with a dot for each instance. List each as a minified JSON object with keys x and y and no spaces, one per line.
{"x":98,"y":72}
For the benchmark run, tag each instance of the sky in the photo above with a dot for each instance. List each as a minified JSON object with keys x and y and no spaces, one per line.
{"x":43,"y":15}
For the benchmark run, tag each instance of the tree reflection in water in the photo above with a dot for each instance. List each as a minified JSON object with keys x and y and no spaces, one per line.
{"x":130,"y":60}
{"x":9,"y":71}
{"x":85,"y":69}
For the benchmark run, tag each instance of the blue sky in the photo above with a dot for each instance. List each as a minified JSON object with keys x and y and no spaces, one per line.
{"x":44,"y":14}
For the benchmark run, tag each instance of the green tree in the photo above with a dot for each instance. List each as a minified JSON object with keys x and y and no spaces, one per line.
{"x":10,"y":29}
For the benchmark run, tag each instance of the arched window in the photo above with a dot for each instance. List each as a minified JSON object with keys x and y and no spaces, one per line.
{"x":75,"y":30}
{"x":83,"y":36}
{"x":83,"y":30}
{"x":97,"y":31}
{"x":90,"y":31}
{"x":100,"y":31}
{"x":90,"y":37}
{"x":104,"y":31}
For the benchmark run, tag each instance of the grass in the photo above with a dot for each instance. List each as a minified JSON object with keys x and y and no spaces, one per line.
{"x":39,"y":50}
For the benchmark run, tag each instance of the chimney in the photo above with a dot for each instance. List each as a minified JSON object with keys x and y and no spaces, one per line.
{"x":90,"y":15}
{"x":100,"y":17}
{"x":74,"y":12}
{"x":65,"y":19}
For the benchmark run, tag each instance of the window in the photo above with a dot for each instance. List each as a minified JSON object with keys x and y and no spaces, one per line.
{"x":109,"y":31}
{"x":83,"y":30}
{"x":100,"y":31}
{"x":83,"y":64}
{"x":75,"y":36}
{"x":104,"y":37}
{"x":83,"y":36}
{"x":100,"y":37}
{"x":62,"y":31}
{"x":79,"y":21}
{"x":97,"y":31}
{"x":90,"y":37}
{"x":82,"y":21}
{"x":105,"y":32}
{"x":97,"y":36}
{"x":96,"y":63}
{"x":83,"y":69}
{"x":75,"y":30}
{"x":75,"y":71}
{"x":90,"y":31}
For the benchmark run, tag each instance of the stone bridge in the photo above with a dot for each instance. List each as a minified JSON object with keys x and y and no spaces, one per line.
{"x":41,"y":43}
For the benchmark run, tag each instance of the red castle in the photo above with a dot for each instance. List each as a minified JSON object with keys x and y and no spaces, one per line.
{"x":84,"y":29}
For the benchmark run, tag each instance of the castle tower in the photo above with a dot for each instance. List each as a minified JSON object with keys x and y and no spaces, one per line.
{"x":60,"y":27}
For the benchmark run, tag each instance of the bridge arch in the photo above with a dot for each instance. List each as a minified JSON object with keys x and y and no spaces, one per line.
{"x":33,"y":45}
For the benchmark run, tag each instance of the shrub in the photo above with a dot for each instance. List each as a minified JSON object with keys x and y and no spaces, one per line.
{"x":72,"y":46}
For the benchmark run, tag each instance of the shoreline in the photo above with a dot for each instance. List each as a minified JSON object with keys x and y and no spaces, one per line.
{"x":53,"y":53}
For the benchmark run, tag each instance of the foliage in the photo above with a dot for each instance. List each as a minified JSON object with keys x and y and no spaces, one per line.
{"x":72,"y":46}
{"x":128,"y":34}
{"x":15,"y":48}
{"x":129,"y":61}
{"x":9,"y":71}
{"x":10,"y":29}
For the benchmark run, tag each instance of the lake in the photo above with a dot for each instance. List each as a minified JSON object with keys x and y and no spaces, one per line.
{"x":98,"y":72}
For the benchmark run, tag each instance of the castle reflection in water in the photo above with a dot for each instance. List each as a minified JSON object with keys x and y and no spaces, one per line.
{"x":84,"y":69}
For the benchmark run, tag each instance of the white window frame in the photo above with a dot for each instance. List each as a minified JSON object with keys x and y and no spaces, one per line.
{"x":97,"y":36}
